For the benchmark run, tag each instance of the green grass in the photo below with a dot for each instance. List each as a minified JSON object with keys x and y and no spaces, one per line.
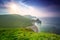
{"x":14,"y":20}
{"x":25,"y":34}
{"x":13,"y":27}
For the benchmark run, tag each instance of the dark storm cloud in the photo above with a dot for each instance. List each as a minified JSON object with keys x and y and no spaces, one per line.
{"x":43,"y":2}
{"x":55,"y":4}
{"x":51,"y":5}
{"x":35,"y":2}
{"x":4,"y":1}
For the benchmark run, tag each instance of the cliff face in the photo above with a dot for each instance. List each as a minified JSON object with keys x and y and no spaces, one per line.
{"x":36,"y":24}
{"x":34,"y":28}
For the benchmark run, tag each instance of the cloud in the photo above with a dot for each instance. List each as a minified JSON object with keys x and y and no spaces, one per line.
{"x":47,"y":8}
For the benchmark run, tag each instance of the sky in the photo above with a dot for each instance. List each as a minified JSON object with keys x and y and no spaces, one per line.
{"x":39,"y":8}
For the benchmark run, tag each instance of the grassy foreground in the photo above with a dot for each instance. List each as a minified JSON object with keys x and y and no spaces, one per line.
{"x":25,"y":34}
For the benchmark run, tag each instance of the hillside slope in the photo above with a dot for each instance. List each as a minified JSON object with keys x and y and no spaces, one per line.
{"x":25,"y":34}
{"x":14,"y":20}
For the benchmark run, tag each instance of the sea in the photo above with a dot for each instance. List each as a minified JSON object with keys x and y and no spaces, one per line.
{"x":50,"y":25}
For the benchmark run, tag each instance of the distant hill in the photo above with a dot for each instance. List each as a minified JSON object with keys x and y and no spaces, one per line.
{"x":29,"y":16}
{"x":14,"y":20}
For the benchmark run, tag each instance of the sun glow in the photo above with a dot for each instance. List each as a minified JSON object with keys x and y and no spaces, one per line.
{"x":22,"y":9}
{"x":13,"y":8}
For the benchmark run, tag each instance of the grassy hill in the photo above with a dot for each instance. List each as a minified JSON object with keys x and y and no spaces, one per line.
{"x":25,"y":34}
{"x":9,"y":29}
{"x":14,"y":20}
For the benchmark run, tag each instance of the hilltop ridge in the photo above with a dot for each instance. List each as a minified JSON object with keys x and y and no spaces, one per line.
{"x":14,"y":20}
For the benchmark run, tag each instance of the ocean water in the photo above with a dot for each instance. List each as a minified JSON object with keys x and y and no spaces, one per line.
{"x":50,"y":24}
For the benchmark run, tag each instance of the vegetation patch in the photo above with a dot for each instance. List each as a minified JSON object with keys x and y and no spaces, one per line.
{"x":25,"y":34}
